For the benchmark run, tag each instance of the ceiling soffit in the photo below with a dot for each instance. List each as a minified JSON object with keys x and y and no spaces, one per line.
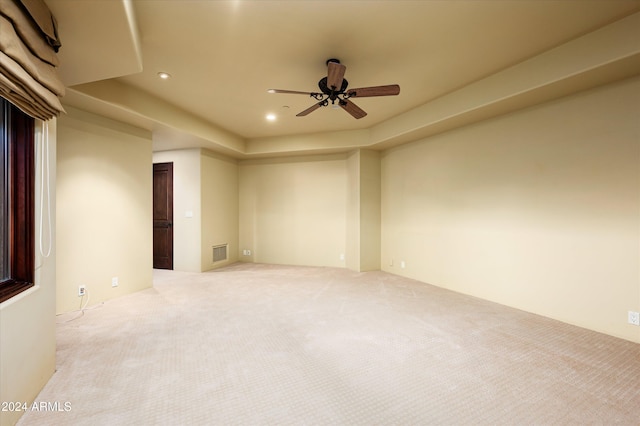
{"x":598,"y":56}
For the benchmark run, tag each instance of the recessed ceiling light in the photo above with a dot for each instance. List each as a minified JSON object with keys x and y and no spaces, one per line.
{"x":271,"y":117}
{"x":164,"y":75}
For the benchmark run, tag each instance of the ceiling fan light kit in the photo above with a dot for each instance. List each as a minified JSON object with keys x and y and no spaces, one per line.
{"x":333,"y":88}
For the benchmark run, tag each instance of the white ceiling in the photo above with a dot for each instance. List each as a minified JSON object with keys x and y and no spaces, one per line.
{"x":224,"y":55}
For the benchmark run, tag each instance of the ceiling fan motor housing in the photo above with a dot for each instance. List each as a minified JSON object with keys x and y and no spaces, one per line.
{"x":322,"y":84}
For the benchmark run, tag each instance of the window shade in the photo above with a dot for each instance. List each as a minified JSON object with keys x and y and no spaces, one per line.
{"x":28,"y":45}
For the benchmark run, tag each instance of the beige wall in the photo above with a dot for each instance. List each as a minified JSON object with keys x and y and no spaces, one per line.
{"x":353,"y":231}
{"x":104,"y":197}
{"x":369,"y":210}
{"x":27,"y":321}
{"x":205,"y":207}
{"x":363,"y":210}
{"x":538,"y":209}
{"x":219,"y":194}
{"x":293,"y":210}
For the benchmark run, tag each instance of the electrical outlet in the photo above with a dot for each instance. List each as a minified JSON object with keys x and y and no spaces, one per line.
{"x":402,"y":264}
{"x":634,"y":317}
{"x":81,"y":291}
{"x":246,"y":252}
{"x":114,"y":282}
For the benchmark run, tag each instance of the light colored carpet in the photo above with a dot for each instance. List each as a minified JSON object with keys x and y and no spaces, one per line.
{"x":261,"y":344}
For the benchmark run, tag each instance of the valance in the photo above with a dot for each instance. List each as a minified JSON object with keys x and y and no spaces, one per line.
{"x":28,"y":45}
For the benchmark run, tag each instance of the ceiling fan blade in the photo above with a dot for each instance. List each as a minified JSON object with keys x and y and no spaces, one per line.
{"x":363,"y":92}
{"x":292,"y":92}
{"x":309,"y":110}
{"x":335,"y":75}
{"x":352,"y":108}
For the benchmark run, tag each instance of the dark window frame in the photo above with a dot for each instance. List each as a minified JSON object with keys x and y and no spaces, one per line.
{"x":17,"y":132}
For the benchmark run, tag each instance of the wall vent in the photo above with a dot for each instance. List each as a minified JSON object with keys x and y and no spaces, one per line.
{"x":220,"y":252}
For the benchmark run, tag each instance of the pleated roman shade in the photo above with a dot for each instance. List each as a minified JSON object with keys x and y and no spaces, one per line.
{"x":28,"y":45}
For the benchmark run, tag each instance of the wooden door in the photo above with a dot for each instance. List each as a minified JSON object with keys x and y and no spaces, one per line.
{"x":163,"y":216}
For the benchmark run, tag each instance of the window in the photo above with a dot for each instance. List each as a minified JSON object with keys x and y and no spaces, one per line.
{"x":16,"y":200}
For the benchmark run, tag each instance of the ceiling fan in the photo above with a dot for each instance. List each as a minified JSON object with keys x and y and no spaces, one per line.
{"x":333,"y":88}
